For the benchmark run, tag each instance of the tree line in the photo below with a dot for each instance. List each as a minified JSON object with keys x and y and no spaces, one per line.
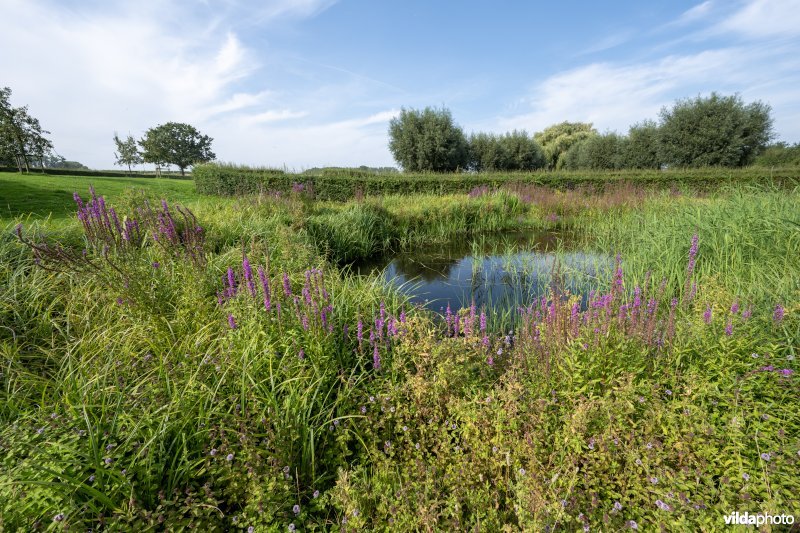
{"x":704,"y":131}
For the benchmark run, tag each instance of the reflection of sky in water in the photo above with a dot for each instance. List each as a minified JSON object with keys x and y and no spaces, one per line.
{"x":451,"y":273}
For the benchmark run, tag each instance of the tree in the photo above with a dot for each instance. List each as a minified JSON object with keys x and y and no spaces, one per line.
{"x":508,"y":152}
{"x":779,"y":155}
{"x":177,"y":144}
{"x":642,"y":147}
{"x":127,"y":153}
{"x":22,"y":138}
{"x":555,"y":140}
{"x":717,"y":130}
{"x":428,"y":141}
{"x":598,"y":152}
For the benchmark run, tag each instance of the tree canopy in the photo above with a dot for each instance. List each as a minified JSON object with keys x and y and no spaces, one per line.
{"x":428,"y":141}
{"x":176,"y":144}
{"x":127,"y":153}
{"x":555,"y":140}
{"x":717,"y":130}
{"x":22,"y":138}
{"x":511,"y":151}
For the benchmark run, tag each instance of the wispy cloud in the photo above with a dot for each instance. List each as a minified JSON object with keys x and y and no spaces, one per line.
{"x":273,"y":115}
{"x":764,"y":19}
{"x":698,"y":12}
{"x":607,"y":43}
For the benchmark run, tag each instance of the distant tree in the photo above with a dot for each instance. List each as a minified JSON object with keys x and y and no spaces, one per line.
{"x":598,"y":152}
{"x":428,"y":141}
{"x":642,"y":146}
{"x":779,"y":155}
{"x":127,"y":153}
{"x":22,"y":139}
{"x":485,"y":152}
{"x":57,"y":161}
{"x":555,"y":140}
{"x":177,"y":144}
{"x":717,"y":130}
{"x":508,"y":152}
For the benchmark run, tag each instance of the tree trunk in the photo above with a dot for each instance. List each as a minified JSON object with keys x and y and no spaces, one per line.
{"x":182,"y":172}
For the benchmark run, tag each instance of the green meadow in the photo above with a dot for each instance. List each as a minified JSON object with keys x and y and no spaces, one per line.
{"x":213,"y":363}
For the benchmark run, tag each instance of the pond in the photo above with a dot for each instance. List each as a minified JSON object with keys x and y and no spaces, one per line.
{"x":499,"y":271}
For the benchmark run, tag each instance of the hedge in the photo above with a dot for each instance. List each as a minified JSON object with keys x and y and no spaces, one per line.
{"x":229,"y":180}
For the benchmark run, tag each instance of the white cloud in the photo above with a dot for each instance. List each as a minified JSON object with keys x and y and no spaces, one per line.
{"x":614,"y":96}
{"x":92,"y":70}
{"x":764,"y":19}
{"x":292,"y":8}
{"x":698,"y":12}
{"x":273,"y":115}
{"x":352,"y":142}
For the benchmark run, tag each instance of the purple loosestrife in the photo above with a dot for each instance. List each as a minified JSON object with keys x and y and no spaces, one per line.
{"x":359,"y":332}
{"x":748,"y":312}
{"x":248,"y":275}
{"x":707,"y":315}
{"x":574,"y":318}
{"x":692,"y":254}
{"x":778,"y":314}
{"x":735,"y":307}
{"x":231,"y":292}
{"x":376,"y":358}
{"x":231,"y":322}
{"x":287,"y":287}
{"x":729,"y":329}
{"x":262,"y":276}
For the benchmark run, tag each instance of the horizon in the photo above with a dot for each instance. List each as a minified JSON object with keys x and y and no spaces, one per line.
{"x":314,"y":83}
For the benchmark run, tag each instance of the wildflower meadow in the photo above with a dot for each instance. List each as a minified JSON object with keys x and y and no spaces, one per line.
{"x":216,"y":364}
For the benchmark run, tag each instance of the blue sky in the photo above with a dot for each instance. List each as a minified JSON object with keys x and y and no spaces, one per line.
{"x":315,"y":82}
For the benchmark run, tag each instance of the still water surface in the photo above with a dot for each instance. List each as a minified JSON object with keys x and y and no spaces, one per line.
{"x":501,"y":271}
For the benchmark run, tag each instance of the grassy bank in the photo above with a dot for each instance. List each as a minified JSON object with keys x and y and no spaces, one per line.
{"x":232,"y":377}
{"x":41,"y":195}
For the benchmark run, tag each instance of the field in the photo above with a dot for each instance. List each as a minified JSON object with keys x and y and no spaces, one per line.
{"x":222,"y":369}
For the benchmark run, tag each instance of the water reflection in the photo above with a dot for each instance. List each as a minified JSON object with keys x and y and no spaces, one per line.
{"x":501,"y":271}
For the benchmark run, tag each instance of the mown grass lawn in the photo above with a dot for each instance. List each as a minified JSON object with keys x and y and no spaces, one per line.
{"x":42,"y":195}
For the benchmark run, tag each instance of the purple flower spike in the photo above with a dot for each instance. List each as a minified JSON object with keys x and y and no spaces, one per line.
{"x":735,"y":307}
{"x":231,"y":322}
{"x":707,"y":315}
{"x":693,"y":253}
{"x":777,"y":315}
{"x":248,"y":276}
{"x":376,"y":358}
{"x":786,"y":372}
{"x":287,"y":287}
{"x":729,"y":329}
{"x":262,"y":276}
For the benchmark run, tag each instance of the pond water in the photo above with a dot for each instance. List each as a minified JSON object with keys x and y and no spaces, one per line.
{"x":501,"y":271}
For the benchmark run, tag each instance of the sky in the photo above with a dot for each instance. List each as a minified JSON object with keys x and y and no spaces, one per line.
{"x":308,"y":83}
